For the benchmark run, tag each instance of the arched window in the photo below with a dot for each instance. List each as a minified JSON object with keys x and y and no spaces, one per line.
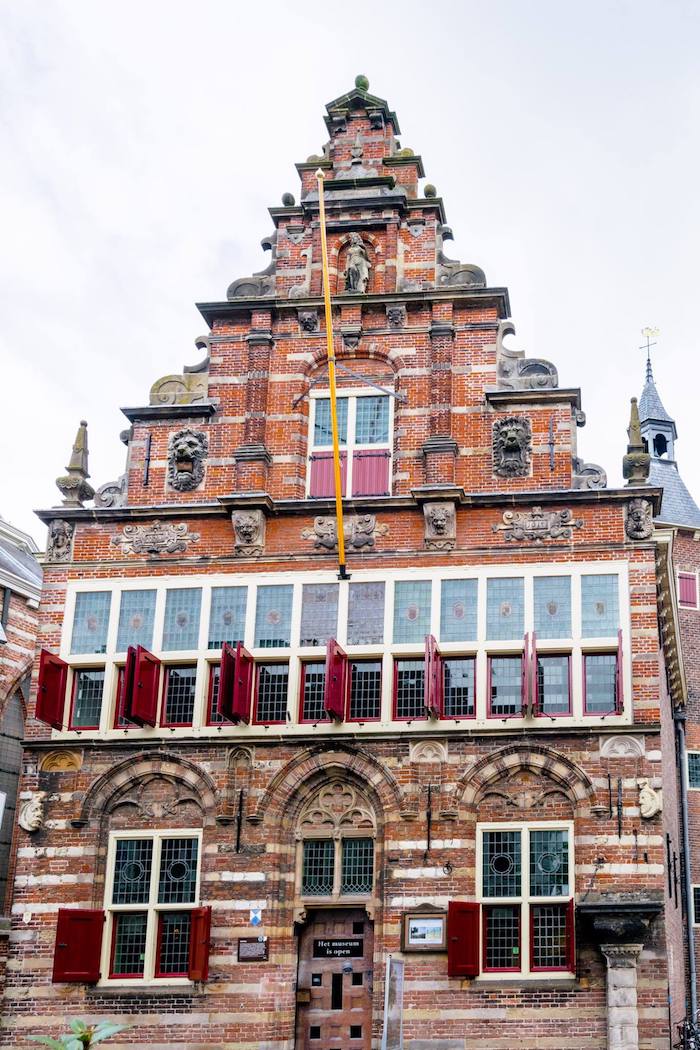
{"x":336,"y":834}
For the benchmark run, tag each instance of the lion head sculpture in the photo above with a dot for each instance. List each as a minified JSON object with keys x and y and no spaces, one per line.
{"x":187,"y":450}
{"x":512,"y":444}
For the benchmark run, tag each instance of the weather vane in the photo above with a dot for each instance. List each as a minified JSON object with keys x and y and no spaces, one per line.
{"x":649,"y":334}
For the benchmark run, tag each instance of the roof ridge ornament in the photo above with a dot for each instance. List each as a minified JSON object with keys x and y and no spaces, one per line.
{"x":636,"y":463}
{"x":73,"y":486}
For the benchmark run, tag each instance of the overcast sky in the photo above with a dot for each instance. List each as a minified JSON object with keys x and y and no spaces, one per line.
{"x":142,"y":143}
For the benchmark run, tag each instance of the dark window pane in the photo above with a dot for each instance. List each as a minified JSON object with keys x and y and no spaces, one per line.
{"x":227,"y":616}
{"x":501,"y":864}
{"x":273,"y":616}
{"x":553,"y":684}
{"x":272,"y":684}
{"x":173,"y":944}
{"x":548,"y":937}
{"x":411,"y":611}
{"x":505,"y":600}
{"x":87,"y":699}
{"x":410,"y":689}
{"x":601,"y":682}
{"x":132,"y":871}
{"x":366,"y":614}
{"x":358,"y":866}
{"x":694,"y":769}
{"x":319,"y":613}
{"x":215,"y":719}
{"x":599,"y":606}
{"x":90,"y":622}
{"x":696,"y":905}
{"x":136,"y":615}
{"x":365,"y":689}
{"x":314,"y":681}
{"x":181,"y":628}
{"x":549,"y":864}
{"x":458,"y":610}
{"x":506,"y":685}
{"x":323,"y":432}
{"x":502,"y":938}
{"x":459,"y":687}
{"x":129,"y":944}
{"x":179,"y":695}
{"x":356,"y":1031}
{"x":178,"y":871}
{"x":553,"y":606}
{"x":317,"y":868}
{"x":371,"y":420}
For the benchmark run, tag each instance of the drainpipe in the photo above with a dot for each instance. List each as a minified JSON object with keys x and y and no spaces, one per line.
{"x":679,"y":720}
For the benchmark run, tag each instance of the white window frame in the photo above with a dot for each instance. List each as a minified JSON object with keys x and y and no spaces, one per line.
{"x":524,"y":901}
{"x":687,"y":572}
{"x":689,"y":752}
{"x":352,"y":394}
{"x":152,"y":907}
{"x":385,"y":651}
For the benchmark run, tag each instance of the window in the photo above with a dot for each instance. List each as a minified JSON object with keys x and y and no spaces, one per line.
{"x":696,"y":905}
{"x":553,"y":685}
{"x":90,"y":622}
{"x":319,"y":613}
{"x":152,"y":889}
{"x":412,"y":611}
{"x":364,"y":436}
{"x":179,"y":696}
{"x":527,"y":898}
{"x":459,"y":687}
{"x":227,"y":616}
{"x":182,"y":609}
{"x":458,"y":610}
{"x":505,"y":603}
{"x":601,"y":683}
{"x":271,"y":683}
{"x":599,"y":606}
{"x":313,"y":682}
{"x":553,"y":606}
{"x":86,"y":708}
{"x":342,"y":867}
{"x":365,"y":690}
{"x":694,"y":769}
{"x":505,"y":686}
{"x":409,"y":689}
{"x":273,"y":616}
{"x":136,"y":616}
{"x":688,"y":590}
{"x":366,"y":614}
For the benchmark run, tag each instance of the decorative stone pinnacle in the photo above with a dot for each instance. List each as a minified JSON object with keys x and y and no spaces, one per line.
{"x":635,"y":465}
{"x":362,"y":82}
{"x":73,"y":486}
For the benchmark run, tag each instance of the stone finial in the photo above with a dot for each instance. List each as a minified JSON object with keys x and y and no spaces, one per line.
{"x":73,"y":486}
{"x":361,"y":82}
{"x":635,"y":465}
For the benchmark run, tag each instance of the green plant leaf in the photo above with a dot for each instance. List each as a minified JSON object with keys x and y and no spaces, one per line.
{"x":47,"y":1041}
{"x":79,"y":1027}
{"x":74,"y":1044}
{"x":104,"y":1030}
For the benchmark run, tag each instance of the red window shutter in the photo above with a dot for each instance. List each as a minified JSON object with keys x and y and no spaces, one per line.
{"x":322,"y":481}
{"x":534,"y":680}
{"x":335,"y":689}
{"x":463,"y":928}
{"x":78,"y":945}
{"x":370,"y":472}
{"x":141,"y":692}
{"x":524,"y":675}
{"x":619,"y":698}
{"x":200,"y":930}
{"x":227,"y":676}
{"x":434,"y":685}
{"x":241,"y":697}
{"x":571,"y":936}
{"x":688,"y":589}
{"x":51,"y":690}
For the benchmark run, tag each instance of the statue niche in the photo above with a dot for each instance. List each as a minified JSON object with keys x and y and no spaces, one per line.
{"x":357,"y":266}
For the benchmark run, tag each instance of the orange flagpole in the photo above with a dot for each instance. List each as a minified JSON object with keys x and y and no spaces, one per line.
{"x":342,"y":570}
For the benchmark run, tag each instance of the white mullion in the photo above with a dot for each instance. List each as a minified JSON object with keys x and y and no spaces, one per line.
{"x":525,"y":962}
{"x":350,"y":443}
{"x":113,"y":621}
{"x":435,"y":605}
{"x":343,"y":610}
{"x":529,"y":603}
{"x":149,"y":968}
{"x":250,"y":610}
{"x":159,"y":620}
{"x":388,"y":668}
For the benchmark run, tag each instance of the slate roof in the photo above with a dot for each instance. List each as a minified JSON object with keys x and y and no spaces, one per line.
{"x":16,"y":562}
{"x":650,"y":406}
{"x":677,"y":505}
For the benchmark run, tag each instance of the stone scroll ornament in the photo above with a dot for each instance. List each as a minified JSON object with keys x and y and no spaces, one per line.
{"x":638,"y":522}
{"x":187,"y":450}
{"x":359,"y":532}
{"x":248,"y":532}
{"x":60,"y":540}
{"x":157,"y":538}
{"x":538,"y":525}
{"x":512,"y":445}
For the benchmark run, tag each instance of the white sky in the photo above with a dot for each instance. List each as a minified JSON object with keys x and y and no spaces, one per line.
{"x":142,"y":143}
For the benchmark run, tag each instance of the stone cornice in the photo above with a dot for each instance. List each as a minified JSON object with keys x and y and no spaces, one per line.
{"x":155,"y":413}
{"x":545,"y":396}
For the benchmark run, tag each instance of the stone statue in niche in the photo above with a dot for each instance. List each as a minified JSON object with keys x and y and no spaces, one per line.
{"x":248,"y":532}
{"x":440,"y":526}
{"x":60,"y":539}
{"x":638,"y":523}
{"x":187,"y":450}
{"x":512,"y":444}
{"x":357,"y":265}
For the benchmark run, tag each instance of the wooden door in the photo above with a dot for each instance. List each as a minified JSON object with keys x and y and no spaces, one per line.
{"x":334,"y":982}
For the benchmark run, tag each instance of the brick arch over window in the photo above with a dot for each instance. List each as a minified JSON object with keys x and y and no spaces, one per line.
{"x":309,"y":768}
{"x":122,"y":783}
{"x":391,"y":358}
{"x":570,"y":778}
{"x":15,"y":687}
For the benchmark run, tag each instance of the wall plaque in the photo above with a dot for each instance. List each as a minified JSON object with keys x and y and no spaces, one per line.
{"x":348,"y":948}
{"x":252,"y":949}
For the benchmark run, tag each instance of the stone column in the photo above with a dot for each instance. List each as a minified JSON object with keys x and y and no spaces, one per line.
{"x":623,"y":1017}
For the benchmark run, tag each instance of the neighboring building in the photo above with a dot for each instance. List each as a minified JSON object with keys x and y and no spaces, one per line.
{"x":20,"y":590}
{"x":262,"y":781}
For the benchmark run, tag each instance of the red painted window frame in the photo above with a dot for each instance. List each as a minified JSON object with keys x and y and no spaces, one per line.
{"x":364,"y":660}
{"x":258,"y":666}
{"x":52,"y":683}
{"x":687,"y":576}
{"x":459,"y":656}
{"x":433,"y":675}
{"x":74,"y":689}
{"x":463,"y":924}
{"x":241,"y":707}
{"x":159,"y":940}
{"x":113,"y":974}
{"x":395,"y":690}
{"x":548,"y":714}
{"x":501,"y":656}
{"x":68,"y":921}
{"x":569,"y":918}
{"x":336,"y":685}
{"x":518,"y":907}
{"x":213,"y":668}
{"x":119,"y":701}
{"x":617,"y":707}
{"x":302,"y":681}
{"x":167,"y":669}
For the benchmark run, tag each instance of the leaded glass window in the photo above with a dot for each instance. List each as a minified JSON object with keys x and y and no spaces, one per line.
{"x":177,"y":878}
{"x":357,"y":866}
{"x":132,"y":871}
{"x":410,"y":689}
{"x":174,"y":944}
{"x":371,"y":420}
{"x":506,"y":686}
{"x":87,"y":698}
{"x":502,"y":932}
{"x":273,"y":616}
{"x":501,"y":864}
{"x":549,"y":863}
{"x":459,"y":687}
{"x":314,"y":680}
{"x":696,"y":905}
{"x":553,"y":606}
{"x":323,"y":432}
{"x":505,"y":601}
{"x":365,"y":689}
{"x":366,"y":614}
{"x":694,"y":769}
{"x":181,"y":627}
{"x":319,"y":613}
{"x":136,"y":615}
{"x":599,"y":606}
{"x":272,"y":681}
{"x":227,"y":616}
{"x":549,"y":937}
{"x":90,"y":621}
{"x":317,"y":867}
{"x":458,"y":610}
{"x":129,"y":944}
{"x":553,"y":685}
{"x":600,"y":683}
{"x":411,"y":611}
{"x":180,"y":687}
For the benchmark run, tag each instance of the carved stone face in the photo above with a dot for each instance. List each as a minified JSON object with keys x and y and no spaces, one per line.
{"x":439,"y":520}
{"x":246,"y":527}
{"x":511,"y":446}
{"x":639,"y":525}
{"x":186,"y":452}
